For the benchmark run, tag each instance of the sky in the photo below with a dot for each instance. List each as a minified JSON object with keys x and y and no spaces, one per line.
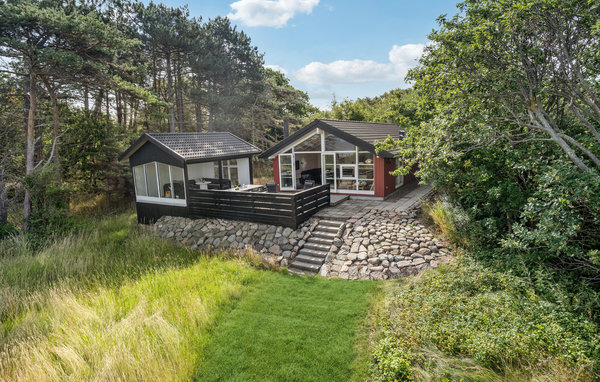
{"x":333,"y":48}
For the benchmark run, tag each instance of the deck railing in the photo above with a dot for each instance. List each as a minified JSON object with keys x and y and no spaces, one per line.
{"x":286,"y":209}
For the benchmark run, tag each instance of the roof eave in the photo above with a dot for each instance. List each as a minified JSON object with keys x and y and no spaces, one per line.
{"x":148,"y":138}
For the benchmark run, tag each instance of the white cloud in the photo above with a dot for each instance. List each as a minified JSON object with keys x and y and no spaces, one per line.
{"x":277,"y":68}
{"x":269,"y":13}
{"x":401,"y":59}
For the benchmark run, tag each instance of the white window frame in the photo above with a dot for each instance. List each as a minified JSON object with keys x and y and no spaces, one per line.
{"x":399,"y":178}
{"x":293,"y":157}
{"x":337,"y":167}
{"x":160,"y":200}
{"x":226,"y":168}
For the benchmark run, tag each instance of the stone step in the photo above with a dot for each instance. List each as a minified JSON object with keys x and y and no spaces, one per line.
{"x":330,"y":223}
{"x":317,"y":246}
{"x":319,"y":240}
{"x":299,"y":272}
{"x":309,"y":259}
{"x":322,"y":228}
{"x":312,"y":252}
{"x":305,"y":266}
{"x":324,"y":235}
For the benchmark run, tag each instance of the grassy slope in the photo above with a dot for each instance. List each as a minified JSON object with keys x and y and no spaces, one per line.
{"x":291,"y":329}
{"x":114,"y":303}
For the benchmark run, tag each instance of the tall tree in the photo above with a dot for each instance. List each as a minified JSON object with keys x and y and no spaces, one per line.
{"x":523,"y":71}
{"x":45,"y":40}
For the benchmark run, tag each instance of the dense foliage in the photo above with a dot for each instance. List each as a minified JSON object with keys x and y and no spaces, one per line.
{"x":468,"y":321}
{"x":508,"y":99}
{"x":81,"y":79}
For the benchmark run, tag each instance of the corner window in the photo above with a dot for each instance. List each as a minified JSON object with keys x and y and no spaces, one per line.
{"x":159,"y":183}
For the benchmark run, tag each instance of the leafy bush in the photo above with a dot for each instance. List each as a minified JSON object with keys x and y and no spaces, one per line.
{"x":7,"y":230}
{"x":494,"y":318}
{"x":49,"y":201}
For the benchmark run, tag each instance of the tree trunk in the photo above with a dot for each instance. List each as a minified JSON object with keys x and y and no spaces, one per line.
{"x":86,"y":98}
{"x":107,"y":106}
{"x":98,"y":102}
{"x":179,"y":96}
{"x":211,"y":112}
{"x":29,"y":147}
{"x":55,"y":128}
{"x":198,"y":117}
{"x":118,"y":107}
{"x":170,"y":94}
{"x":3,"y":203}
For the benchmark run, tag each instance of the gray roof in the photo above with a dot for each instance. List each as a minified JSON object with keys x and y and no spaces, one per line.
{"x":360,"y":133}
{"x":366,"y":131}
{"x":197,"y":146}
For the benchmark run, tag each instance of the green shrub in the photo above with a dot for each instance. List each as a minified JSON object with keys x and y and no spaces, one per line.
{"x":7,"y":230}
{"x":494,"y":318}
{"x":49,"y":204}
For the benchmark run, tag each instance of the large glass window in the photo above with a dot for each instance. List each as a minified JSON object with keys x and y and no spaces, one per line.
{"x":140,"y":181}
{"x":151,"y":180}
{"x":158,"y":181}
{"x":335,"y":143}
{"x":164,"y":181}
{"x":178,"y":182}
{"x":311,"y":144}
{"x":286,"y":171}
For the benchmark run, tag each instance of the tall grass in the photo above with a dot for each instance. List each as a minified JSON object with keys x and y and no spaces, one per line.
{"x":110,"y":303}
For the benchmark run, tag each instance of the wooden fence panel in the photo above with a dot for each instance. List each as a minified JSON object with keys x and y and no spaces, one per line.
{"x":270,"y":208}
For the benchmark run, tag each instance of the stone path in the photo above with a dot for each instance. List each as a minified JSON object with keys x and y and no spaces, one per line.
{"x":404,"y":198}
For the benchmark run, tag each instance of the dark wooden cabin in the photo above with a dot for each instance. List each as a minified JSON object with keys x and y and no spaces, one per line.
{"x":165,"y":165}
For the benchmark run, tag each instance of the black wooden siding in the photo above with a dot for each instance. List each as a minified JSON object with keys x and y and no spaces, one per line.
{"x":269,"y":208}
{"x":148,"y":213}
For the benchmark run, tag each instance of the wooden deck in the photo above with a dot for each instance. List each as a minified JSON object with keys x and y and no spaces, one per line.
{"x":286,"y":209}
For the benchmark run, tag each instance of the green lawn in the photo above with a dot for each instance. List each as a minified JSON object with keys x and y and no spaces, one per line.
{"x":291,"y":329}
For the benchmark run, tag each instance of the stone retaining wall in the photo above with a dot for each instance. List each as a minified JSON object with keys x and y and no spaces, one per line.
{"x":375,"y":244}
{"x":380,"y":244}
{"x":270,"y":240}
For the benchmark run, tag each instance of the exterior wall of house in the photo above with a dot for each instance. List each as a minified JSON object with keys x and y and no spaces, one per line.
{"x":384,"y":182}
{"x":276,"y":172}
{"x":244,"y":170}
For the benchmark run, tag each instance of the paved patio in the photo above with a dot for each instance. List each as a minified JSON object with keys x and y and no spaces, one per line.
{"x":401,"y":201}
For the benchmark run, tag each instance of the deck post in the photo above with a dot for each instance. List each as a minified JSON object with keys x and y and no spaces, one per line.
{"x":220,"y":174}
{"x":251,"y":170}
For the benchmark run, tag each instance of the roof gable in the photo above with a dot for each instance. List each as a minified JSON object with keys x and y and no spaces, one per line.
{"x":359,"y":133}
{"x":192,"y":147}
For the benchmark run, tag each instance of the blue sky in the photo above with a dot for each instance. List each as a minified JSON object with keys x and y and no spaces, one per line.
{"x":349,"y":48}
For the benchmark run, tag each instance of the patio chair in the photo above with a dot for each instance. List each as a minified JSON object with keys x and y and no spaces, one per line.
{"x":271,"y":187}
{"x":309,"y":183}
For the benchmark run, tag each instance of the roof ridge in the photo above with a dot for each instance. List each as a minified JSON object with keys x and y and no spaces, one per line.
{"x":355,"y":121}
{"x":193,"y":132}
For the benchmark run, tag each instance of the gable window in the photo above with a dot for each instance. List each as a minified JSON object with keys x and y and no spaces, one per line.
{"x":312,"y":144}
{"x":335,"y":143}
{"x":159,"y":183}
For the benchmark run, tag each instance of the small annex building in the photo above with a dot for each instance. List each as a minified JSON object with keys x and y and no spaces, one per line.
{"x":164,"y":165}
{"x":341,"y":154}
